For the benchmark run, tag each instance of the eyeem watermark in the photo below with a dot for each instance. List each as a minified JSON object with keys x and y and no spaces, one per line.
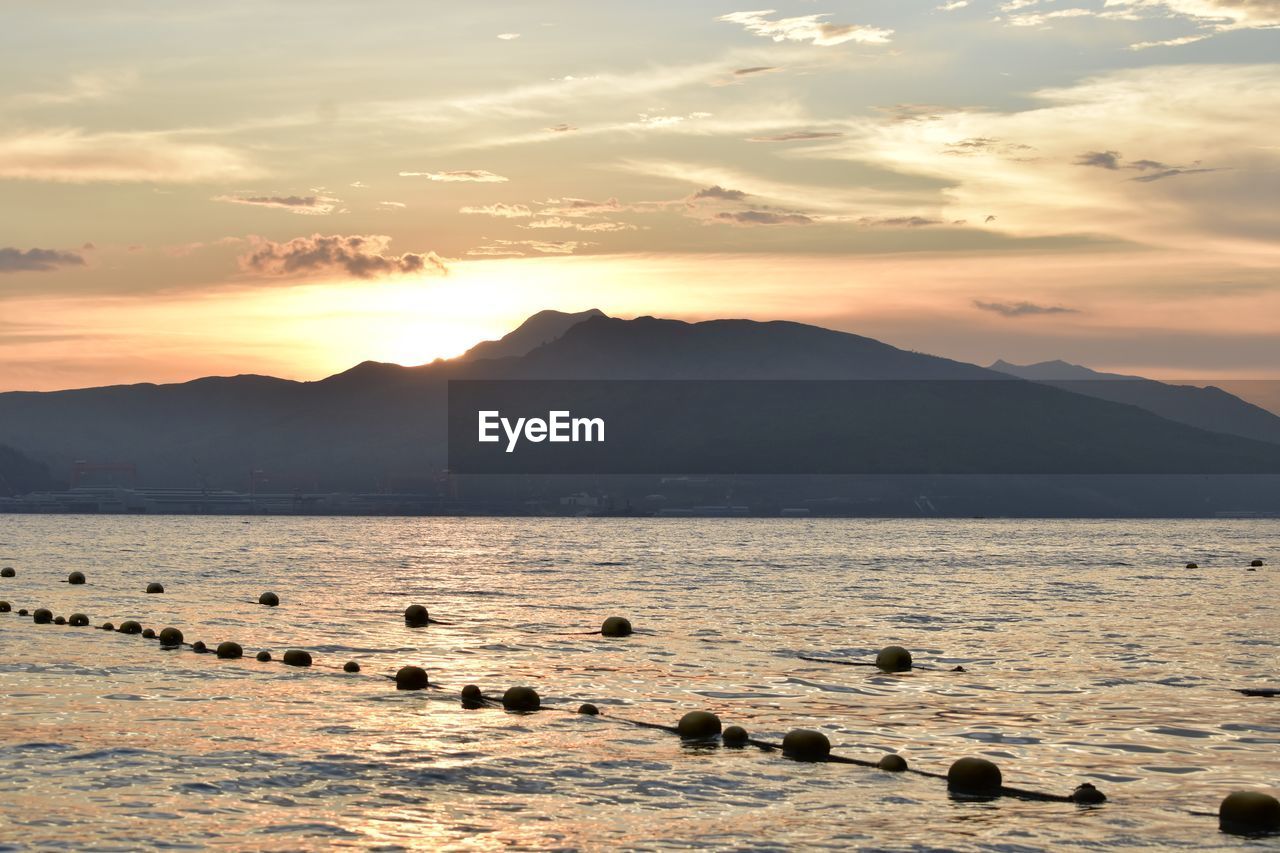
{"x":559,"y":426}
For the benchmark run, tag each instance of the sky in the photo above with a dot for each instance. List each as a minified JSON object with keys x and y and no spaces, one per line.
{"x":290,"y":188}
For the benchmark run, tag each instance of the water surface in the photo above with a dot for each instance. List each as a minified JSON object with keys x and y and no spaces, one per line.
{"x":1091,"y":655}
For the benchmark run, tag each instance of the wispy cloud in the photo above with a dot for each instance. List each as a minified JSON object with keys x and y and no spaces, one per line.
{"x":1015,"y":310}
{"x":500,"y":248}
{"x":603,"y":226}
{"x":308,"y":205}
{"x":806,"y":28}
{"x":760,"y":217}
{"x":357,"y":256}
{"x":479,"y":176}
{"x":798,"y":136}
{"x":508,"y":36}
{"x":75,"y":156}
{"x":499,"y":210}
{"x":37,"y":260}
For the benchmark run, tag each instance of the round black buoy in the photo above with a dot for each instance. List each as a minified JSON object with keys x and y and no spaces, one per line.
{"x":1257,"y":564}
{"x":106,"y":626}
{"x":351,"y":666}
{"x":270,"y":599}
{"x":806,"y":745}
{"x":78,"y":620}
{"x":411,"y":678}
{"x":974,"y":776}
{"x":42,"y":616}
{"x":698,"y":724}
{"x":1086,"y":794}
{"x":616,"y":626}
{"x":129,"y":626}
{"x":297,"y":657}
{"x":1249,"y":813}
{"x":521,"y":699}
{"x":735,"y":736}
{"x":170,"y":638}
{"x":22,"y":612}
{"x":892,"y":763}
{"x":76,"y":578}
{"x":230,"y":651}
{"x":471,"y":693}
{"x":155,"y":588}
{"x":59,"y":620}
{"x":894,"y":659}
{"x":1192,"y":566}
{"x":588,"y":709}
{"x":415,"y":616}
{"x":148,"y":633}
{"x":199,"y":647}
{"x":5,"y":607}
{"x":7,"y":572}
{"x":264,"y":656}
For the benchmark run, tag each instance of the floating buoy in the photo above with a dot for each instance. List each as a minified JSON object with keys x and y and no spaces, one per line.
{"x":698,"y":724}
{"x":806,"y":745}
{"x":230,"y":651}
{"x":894,"y":659}
{"x":1249,"y":813}
{"x":415,"y":616}
{"x":170,"y":638}
{"x":1086,"y":794}
{"x":588,"y":709}
{"x":107,"y":626}
{"x":521,"y":699}
{"x":735,"y":736}
{"x":199,"y":647}
{"x":42,"y":616}
{"x":7,"y":572}
{"x":297,"y":657}
{"x":129,"y":626}
{"x":148,"y":633}
{"x":1256,"y":564}
{"x":616,"y":626}
{"x":411,"y":678}
{"x":155,"y":588}
{"x":59,"y":620}
{"x":974,"y":776}
{"x":1192,"y":566}
{"x":270,"y":599}
{"x":5,"y":607}
{"x":264,"y":656}
{"x":351,"y":666}
{"x":471,"y":693}
{"x":78,"y":620}
{"x":75,"y":578}
{"x":22,"y":612}
{"x":892,"y":763}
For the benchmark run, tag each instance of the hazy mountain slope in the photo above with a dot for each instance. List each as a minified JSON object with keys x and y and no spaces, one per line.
{"x":1207,"y":408}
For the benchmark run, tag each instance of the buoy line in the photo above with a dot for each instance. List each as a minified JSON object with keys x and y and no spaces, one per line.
{"x":1241,"y":812}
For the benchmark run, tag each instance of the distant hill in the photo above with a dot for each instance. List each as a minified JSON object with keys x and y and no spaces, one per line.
{"x":378,"y":423}
{"x":1207,"y":408}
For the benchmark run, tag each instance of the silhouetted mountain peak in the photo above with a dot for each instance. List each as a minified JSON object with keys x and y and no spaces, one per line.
{"x":541,"y":328}
{"x":1055,"y":370}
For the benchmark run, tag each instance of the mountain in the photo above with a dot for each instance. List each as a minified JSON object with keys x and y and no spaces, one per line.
{"x":382,"y":423}
{"x":1208,"y":408}
{"x":20,"y":473}
{"x":541,"y":328}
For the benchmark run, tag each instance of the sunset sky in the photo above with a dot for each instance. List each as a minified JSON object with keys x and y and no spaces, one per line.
{"x":291,"y":188}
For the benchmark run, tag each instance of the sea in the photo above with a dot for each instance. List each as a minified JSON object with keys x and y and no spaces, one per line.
{"x":1090,"y":653}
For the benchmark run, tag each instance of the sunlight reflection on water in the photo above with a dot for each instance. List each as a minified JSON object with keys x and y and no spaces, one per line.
{"x":1091,"y":656}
